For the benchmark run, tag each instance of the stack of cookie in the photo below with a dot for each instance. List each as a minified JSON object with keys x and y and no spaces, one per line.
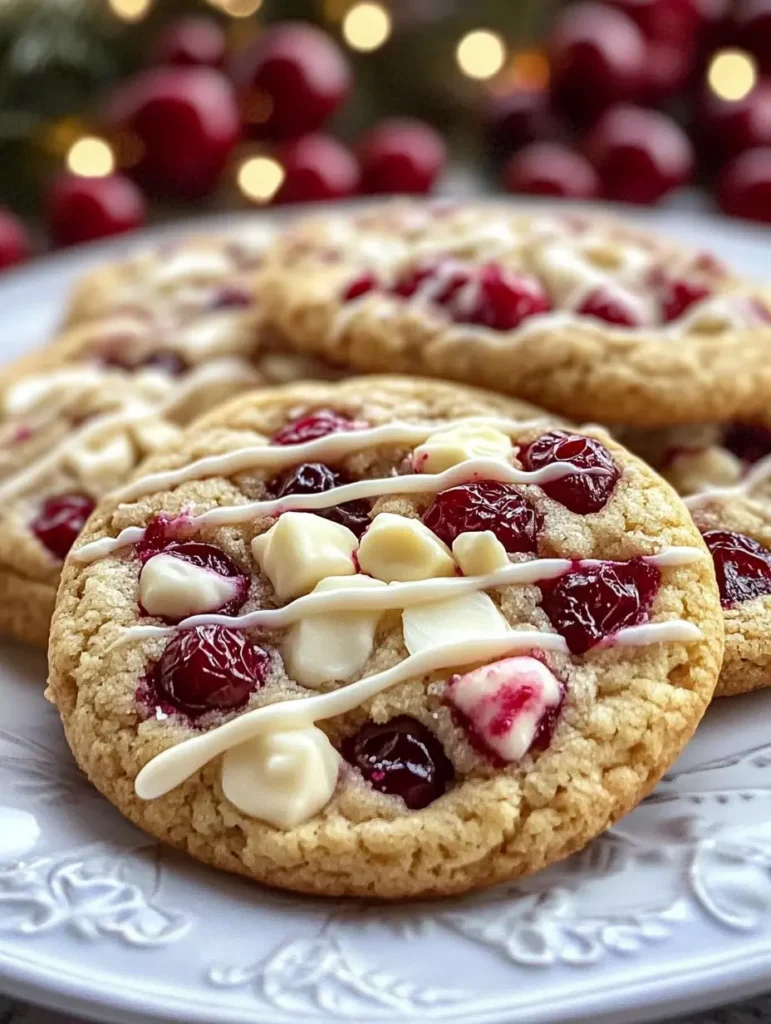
{"x":392,"y":636}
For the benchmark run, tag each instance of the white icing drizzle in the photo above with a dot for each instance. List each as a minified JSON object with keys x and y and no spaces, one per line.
{"x":759,"y":474}
{"x":673,"y":631}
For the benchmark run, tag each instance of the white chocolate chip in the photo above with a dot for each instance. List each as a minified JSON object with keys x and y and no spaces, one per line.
{"x":398,"y":549}
{"x":505,"y":702}
{"x":153,"y":433}
{"x":174,"y":588}
{"x":301,"y":549}
{"x":335,"y":647}
{"x":448,"y":447}
{"x":470,"y":617}
{"x":283,"y":778}
{"x":56,"y":389}
{"x":113,"y":457}
{"x":478,"y":554}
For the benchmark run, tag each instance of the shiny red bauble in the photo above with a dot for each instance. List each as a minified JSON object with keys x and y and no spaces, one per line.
{"x":177,"y":127}
{"x":672,"y":33}
{"x":744,"y":186}
{"x":518,"y":118}
{"x":290,"y":80}
{"x":401,"y":155}
{"x":728,"y":127}
{"x":195,"y":40}
{"x":551,"y":169}
{"x":317,"y":167}
{"x":598,"y":57}
{"x":83,"y":209}
{"x":640,"y":155}
{"x":14,"y":242}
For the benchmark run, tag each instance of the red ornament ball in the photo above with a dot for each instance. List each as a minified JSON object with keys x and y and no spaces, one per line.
{"x":195,"y":40}
{"x":179,"y":125}
{"x":672,"y":30}
{"x":728,"y":127}
{"x":640,"y":155}
{"x":290,"y":80}
{"x":598,"y":57}
{"x":517,"y":118}
{"x":83,"y":209}
{"x":14,"y":242}
{"x":551,"y":169}
{"x":317,"y":167}
{"x":401,"y":155}
{"x":744,"y":187}
{"x":752,"y":30}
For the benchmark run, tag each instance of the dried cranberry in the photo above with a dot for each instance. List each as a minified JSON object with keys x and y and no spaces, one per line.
{"x":609,"y":306}
{"x":402,"y":758}
{"x":676,"y":297}
{"x":580,"y":492}
{"x":208,"y":668}
{"x":504,"y":299}
{"x":446,"y":277}
{"x":360,"y":285}
{"x":485,"y":505}
{"x":162,"y":532}
{"x":60,"y":520}
{"x":316,"y":424}
{"x":742,"y":566}
{"x":232,"y":297}
{"x":315,"y":478}
{"x":748,"y":441}
{"x":591,"y":603}
{"x":166,"y":362}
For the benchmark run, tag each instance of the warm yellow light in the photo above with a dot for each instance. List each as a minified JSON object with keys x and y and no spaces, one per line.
{"x":732,"y":74}
{"x":238,"y":8}
{"x":366,"y":26}
{"x":260,"y":177}
{"x":480,"y":54}
{"x":130,"y":10}
{"x":90,"y":158}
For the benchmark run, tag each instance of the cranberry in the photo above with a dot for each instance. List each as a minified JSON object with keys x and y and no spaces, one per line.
{"x":744,"y":186}
{"x":671,"y":30}
{"x":207,"y":556}
{"x":551,"y":169}
{"x":609,"y":306}
{"x":401,"y":155}
{"x":485,"y":505}
{"x":366,"y":282}
{"x":316,"y":424}
{"x":60,"y":520}
{"x":598,"y":57}
{"x":748,"y":441}
{"x":164,"y":360}
{"x":232,"y":297}
{"x":316,"y":167}
{"x":162,"y":532}
{"x":589,"y":604}
{"x":446,"y":277}
{"x":402,"y":758}
{"x":83,"y":209}
{"x":516,"y":119}
{"x":752,"y":29}
{"x":729,"y":127}
{"x":677,"y":296}
{"x":742,"y":566}
{"x":14,"y":242}
{"x":193,"y":40}
{"x":315,"y":478}
{"x":640,"y":155}
{"x":504,"y":299}
{"x":583,"y":492}
{"x":208,"y":668}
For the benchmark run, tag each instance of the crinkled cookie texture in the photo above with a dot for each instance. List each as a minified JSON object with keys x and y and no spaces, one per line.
{"x":724,"y":475}
{"x":155,"y":341}
{"x":586,"y":316}
{"x":486,"y":768}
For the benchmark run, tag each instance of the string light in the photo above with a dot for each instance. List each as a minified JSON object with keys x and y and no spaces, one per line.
{"x":238,"y":8}
{"x":260,"y":178}
{"x":480,"y":54}
{"x":130,"y":10}
{"x":525,"y":69}
{"x":732,"y":74}
{"x":366,"y":26}
{"x":90,"y":157}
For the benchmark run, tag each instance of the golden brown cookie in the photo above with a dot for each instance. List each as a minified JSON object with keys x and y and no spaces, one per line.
{"x":442,"y":641}
{"x":587,"y":316}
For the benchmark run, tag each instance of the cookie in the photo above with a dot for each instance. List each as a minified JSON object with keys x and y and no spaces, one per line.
{"x":724,"y":474}
{"x":438,"y":640}
{"x":584,"y":315}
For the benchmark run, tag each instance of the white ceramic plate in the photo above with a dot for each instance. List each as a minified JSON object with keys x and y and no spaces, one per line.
{"x":668,"y":912}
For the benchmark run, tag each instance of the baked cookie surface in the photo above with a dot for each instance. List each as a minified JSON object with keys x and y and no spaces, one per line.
{"x":587,"y":316}
{"x":443,"y":640}
{"x":724,"y":475}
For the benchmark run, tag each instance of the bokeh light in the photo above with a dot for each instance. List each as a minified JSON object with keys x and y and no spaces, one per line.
{"x":130,"y":10}
{"x":732,"y":74}
{"x":260,"y":178}
{"x":366,"y":26}
{"x":481,"y":54}
{"x":238,"y":8}
{"x":90,"y":157}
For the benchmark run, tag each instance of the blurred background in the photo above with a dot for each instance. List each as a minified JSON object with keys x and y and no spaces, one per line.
{"x":114,"y":113}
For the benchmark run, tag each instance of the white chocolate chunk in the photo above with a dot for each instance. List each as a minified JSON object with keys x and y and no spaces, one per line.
{"x":57,"y":389}
{"x":470,"y":617}
{"x":153,"y":433}
{"x":173,"y":588}
{"x":505,"y":702}
{"x":479,"y":554}
{"x":283,"y":778}
{"x":113,"y":457}
{"x":301,"y":549}
{"x":452,"y":445}
{"x":398,"y":549}
{"x":323,"y":648}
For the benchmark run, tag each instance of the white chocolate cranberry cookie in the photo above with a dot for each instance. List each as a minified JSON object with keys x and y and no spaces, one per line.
{"x":586,"y":316}
{"x":724,"y":474}
{"x":385,"y":638}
